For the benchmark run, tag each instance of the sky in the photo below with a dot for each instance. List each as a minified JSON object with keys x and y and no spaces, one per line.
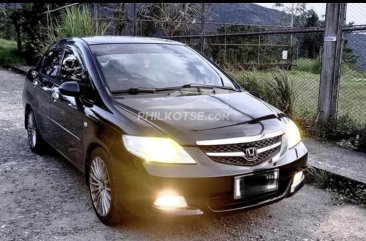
{"x":356,"y":12}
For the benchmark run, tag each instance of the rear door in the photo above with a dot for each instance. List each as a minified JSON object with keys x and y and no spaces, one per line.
{"x":44,"y":84}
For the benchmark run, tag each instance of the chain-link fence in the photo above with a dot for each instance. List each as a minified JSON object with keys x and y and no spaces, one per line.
{"x":259,"y":59}
{"x":285,"y":44}
{"x":352,"y":90}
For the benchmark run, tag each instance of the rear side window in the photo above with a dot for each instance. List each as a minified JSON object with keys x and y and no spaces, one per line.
{"x":51,"y":63}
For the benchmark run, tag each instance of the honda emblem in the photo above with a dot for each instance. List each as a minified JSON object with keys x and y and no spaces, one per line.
{"x":251,"y":154}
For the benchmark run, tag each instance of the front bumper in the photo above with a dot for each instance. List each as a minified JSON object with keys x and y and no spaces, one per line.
{"x":208,"y":194}
{"x":217,"y":199}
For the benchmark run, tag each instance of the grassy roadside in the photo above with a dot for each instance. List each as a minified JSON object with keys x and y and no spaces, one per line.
{"x":352,"y":97}
{"x":9,"y":53}
{"x":343,"y":189}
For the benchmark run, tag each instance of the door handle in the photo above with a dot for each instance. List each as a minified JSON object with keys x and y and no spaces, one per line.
{"x":35,"y":83}
{"x":55,"y":94}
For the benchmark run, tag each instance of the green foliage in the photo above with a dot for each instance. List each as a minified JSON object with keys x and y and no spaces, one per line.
{"x":344,"y":127}
{"x":308,"y":65}
{"x":277,"y":91}
{"x":309,"y":44}
{"x":75,"y":21}
{"x":283,"y":93}
{"x":349,"y":58}
{"x":9,"y":53}
{"x":318,"y":177}
{"x":304,"y":119}
{"x":360,"y":139}
{"x":342,"y":188}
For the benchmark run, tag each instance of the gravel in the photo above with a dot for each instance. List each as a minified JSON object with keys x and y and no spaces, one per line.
{"x":45,"y":198}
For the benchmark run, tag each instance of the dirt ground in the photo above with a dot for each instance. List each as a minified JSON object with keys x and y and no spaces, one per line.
{"x":45,"y":198}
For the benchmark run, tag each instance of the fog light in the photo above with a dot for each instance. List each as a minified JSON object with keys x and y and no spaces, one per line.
{"x":298,"y":178}
{"x":169,"y":201}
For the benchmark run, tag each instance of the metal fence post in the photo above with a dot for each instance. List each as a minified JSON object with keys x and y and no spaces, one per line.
{"x":134,"y":20}
{"x":202,"y":26}
{"x":331,"y":59}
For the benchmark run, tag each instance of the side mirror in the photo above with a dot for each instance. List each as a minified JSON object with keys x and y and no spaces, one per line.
{"x":32,"y":73}
{"x":82,"y":74}
{"x":70,"y":88}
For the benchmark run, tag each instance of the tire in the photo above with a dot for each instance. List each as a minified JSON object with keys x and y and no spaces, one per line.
{"x":103,"y":189}
{"x":35,"y":141}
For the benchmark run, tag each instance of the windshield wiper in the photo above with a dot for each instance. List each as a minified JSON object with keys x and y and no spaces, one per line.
{"x":194,"y":85}
{"x":134,"y":91}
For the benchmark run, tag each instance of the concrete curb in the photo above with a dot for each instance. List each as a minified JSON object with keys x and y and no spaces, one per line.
{"x":15,"y":69}
{"x":353,"y":190}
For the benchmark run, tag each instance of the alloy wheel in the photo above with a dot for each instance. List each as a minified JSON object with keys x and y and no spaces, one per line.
{"x":100,"y":188}
{"x":32,"y":131}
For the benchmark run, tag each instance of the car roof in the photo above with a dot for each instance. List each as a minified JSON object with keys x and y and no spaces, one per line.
{"x":126,"y":39}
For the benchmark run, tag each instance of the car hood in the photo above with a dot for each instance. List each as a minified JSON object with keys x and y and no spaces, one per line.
{"x":188,"y":119}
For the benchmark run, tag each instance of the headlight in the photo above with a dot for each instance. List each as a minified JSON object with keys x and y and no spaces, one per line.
{"x":293,"y":134}
{"x":157,"y":149}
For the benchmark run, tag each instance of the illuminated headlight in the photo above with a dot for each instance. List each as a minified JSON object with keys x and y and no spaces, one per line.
{"x":293,"y":134}
{"x":298,"y":178}
{"x":169,"y":200}
{"x":157,"y":149}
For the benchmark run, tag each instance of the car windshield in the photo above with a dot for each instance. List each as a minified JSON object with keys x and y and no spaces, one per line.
{"x":128,"y":66}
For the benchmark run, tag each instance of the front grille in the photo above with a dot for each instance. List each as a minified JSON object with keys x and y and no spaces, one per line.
{"x":241,"y":147}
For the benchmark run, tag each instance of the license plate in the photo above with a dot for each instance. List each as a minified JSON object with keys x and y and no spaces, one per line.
{"x":253,"y":184}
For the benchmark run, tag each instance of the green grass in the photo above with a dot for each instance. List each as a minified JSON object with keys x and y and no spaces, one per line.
{"x":352,"y":92}
{"x":308,"y":65}
{"x":9,"y":53}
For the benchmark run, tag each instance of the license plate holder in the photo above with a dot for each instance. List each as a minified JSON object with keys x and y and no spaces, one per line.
{"x":252,"y":184}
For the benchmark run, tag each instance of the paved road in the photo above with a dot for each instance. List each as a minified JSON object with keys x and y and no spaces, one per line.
{"x":44,"y":198}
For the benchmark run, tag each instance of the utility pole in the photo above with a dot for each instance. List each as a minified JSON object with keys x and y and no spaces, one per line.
{"x":331,"y":61}
{"x":202,"y":42}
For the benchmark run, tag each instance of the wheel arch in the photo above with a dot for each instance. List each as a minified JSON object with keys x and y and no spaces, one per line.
{"x":27,"y":109}
{"x":92,"y":146}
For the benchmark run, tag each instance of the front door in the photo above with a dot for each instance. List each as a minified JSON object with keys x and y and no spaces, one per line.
{"x":69,"y":111}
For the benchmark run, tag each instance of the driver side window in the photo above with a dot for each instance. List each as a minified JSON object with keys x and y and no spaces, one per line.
{"x":71,"y":68}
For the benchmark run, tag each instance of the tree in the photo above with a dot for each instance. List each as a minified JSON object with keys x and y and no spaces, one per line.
{"x":309,"y":44}
{"x":172,"y":18}
{"x":119,"y":14}
{"x":348,"y":56}
{"x":239,"y":53}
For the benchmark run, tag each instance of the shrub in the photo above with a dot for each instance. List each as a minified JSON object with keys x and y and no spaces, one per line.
{"x":304,"y":119}
{"x":277,"y":91}
{"x":283,"y":93}
{"x":75,"y":21}
{"x":359,"y":139}
{"x":342,"y":188}
{"x":344,"y":127}
{"x":9,"y":53}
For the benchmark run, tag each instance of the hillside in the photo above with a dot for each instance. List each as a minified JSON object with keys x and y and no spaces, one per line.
{"x":248,"y":13}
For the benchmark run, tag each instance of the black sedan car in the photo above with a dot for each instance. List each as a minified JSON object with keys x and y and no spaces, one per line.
{"x":157,"y":128}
